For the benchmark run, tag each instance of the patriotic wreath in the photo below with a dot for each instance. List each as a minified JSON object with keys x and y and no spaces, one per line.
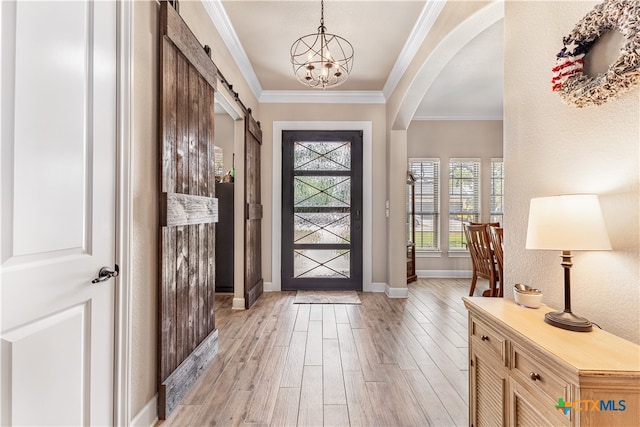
{"x":568,"y":79}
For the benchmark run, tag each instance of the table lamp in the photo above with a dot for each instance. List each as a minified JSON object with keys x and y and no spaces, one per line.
{"x":566,"y":223}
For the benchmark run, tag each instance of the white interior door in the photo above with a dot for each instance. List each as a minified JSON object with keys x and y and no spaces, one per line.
{"x":58,"y":212}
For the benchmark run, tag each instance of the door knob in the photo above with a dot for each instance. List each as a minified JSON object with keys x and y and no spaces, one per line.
{"x":106,"y":273}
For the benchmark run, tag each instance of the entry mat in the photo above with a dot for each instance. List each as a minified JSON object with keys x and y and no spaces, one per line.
{"x":327,"y":297}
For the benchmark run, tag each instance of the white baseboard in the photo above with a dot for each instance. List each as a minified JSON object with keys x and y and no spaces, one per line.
{"x":238,"y":304}
{"x":388,"y":290}
{"x":148,"y":415}
{"x":270,"y":287}
{"x":445,"y":274}
{"x":396,"y":292}
{"x":374,"y":287}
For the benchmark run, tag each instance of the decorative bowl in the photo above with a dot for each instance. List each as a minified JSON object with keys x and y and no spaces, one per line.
{"x":528,"y":299}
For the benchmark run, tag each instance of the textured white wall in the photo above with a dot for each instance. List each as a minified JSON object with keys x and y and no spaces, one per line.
{"x":552,"y":148}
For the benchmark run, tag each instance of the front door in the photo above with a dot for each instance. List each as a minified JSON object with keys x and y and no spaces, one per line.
{"x":58,"y":212}
{"x":322,"y":210}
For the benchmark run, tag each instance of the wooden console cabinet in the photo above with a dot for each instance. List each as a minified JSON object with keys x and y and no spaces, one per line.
{"x":520,"y":368}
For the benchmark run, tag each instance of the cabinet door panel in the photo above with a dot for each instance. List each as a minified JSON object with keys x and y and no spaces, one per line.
{"x":533,"y":409}
{"x":488,"y":391}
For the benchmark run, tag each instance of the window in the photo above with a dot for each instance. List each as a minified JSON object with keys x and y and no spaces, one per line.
{"x":427,"y":202}
{"x":497,"y":190}
{"x":464,"y":198}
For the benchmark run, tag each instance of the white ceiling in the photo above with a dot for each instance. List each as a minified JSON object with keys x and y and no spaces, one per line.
{"x":471,"y":85}
{"x":384,"y":35}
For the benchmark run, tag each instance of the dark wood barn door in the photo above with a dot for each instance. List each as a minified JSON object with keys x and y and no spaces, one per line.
{"x":253,"y":282}
{"x":187,"y":337}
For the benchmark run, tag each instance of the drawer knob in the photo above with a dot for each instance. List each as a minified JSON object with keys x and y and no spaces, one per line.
{"x":534,"y":376}
{"x":484,"y":338}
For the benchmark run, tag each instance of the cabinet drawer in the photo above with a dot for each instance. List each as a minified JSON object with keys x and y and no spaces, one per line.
{"x":536,"y":376}
{"x":488,"y":339}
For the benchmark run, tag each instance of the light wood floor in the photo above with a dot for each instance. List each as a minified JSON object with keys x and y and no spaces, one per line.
{"x":387,"y":362}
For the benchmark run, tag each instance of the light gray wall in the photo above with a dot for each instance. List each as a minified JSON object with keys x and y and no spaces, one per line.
{"x":270,"y":113}
{"x":446,"y":140}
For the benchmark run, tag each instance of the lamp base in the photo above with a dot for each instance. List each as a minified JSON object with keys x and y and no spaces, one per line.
{"x":567,"y":320}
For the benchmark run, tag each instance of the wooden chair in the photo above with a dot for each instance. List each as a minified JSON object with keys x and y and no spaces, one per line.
{"x":479,"y":245}
{"x":489,"y":224}
{"x":496,"y":234}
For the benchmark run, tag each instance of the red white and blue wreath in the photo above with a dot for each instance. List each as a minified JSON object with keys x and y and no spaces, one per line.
{"x":580,"y":90}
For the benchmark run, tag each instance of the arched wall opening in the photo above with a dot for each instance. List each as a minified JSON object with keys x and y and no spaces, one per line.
{"x":399,"y":121}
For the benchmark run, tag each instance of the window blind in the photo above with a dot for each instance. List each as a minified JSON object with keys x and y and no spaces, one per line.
{"x":427,"y":202}
{"x":497,"y":190}
{"x":464,"y":198}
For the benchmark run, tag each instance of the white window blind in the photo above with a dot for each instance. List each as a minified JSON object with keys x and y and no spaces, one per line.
{"x":497,"y":190}
{"x":464,"y":198}
{"x":427,"y":202}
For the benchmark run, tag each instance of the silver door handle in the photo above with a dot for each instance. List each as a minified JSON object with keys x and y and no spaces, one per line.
{"x":106,"y":273}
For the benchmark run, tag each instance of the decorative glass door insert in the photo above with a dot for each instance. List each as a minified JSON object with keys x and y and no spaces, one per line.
{"x":322,"y":204}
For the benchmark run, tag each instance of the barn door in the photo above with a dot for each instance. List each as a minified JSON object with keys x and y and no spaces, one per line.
{"x":187,"y":333}
{"x":253,"y":283}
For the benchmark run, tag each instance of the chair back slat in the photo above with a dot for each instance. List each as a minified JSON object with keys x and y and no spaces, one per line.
{"x":496,"y":234}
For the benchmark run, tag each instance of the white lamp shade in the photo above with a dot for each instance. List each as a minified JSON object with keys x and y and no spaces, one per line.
{"x":567,"y":223}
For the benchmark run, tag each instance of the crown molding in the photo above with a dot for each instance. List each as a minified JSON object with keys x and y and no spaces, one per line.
{"x":423,"y":25}
{"x":321,"y":97}
{"x":221,"y":21}
{"x":445,"y":118}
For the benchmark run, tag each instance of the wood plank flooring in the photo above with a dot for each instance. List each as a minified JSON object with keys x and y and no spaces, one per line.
{"x":387,"y":362}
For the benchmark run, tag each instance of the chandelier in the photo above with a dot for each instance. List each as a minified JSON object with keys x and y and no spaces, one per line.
{"x":322,"y":59}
